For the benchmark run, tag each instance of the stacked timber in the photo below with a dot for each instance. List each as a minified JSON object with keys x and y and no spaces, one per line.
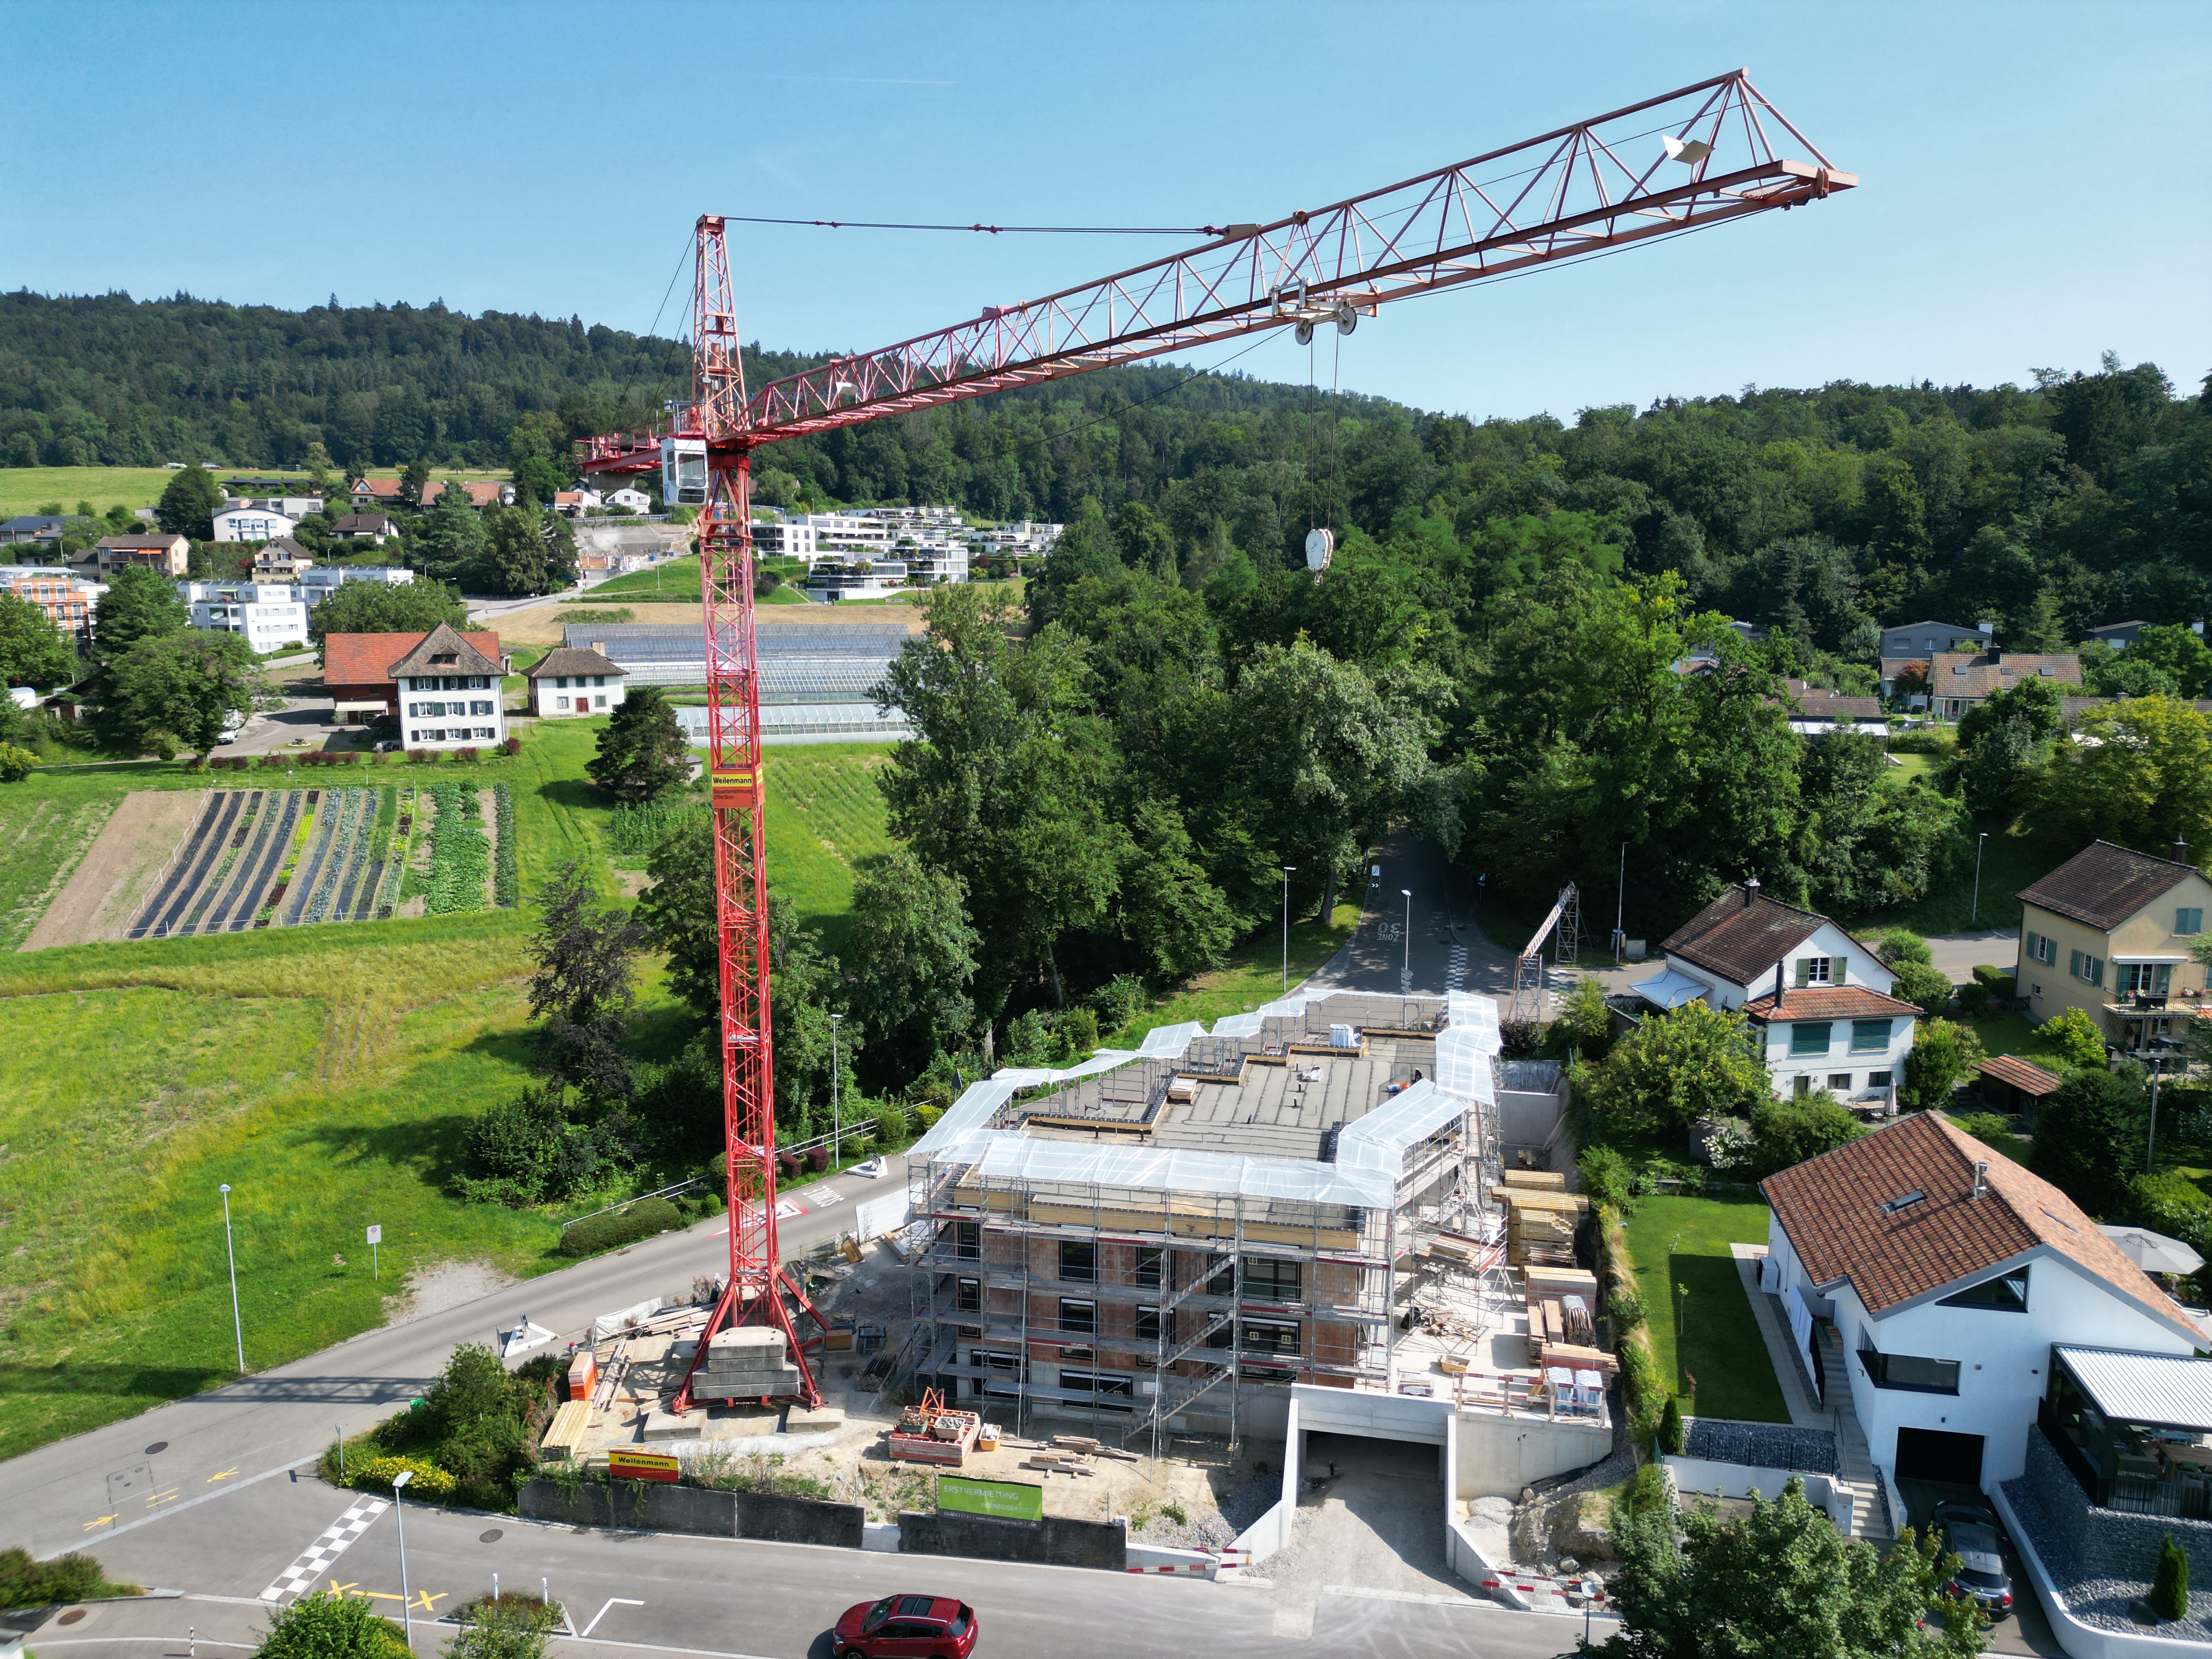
{"x":1535,"y":1181}
{"x":1539,"y":1227}
{"x":746,"y":1363}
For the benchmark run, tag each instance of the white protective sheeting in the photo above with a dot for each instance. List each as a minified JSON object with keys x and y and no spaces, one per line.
{"x":1245,"y":1025}
{"x":1008,"y":1155}
{"x":878,"y":1216}
{"x":2159,"y":1388}
{"x":1466,"y":1047}
{"x":1167,"y":1042}
{"x":1379,"y":1140}
{"x":980,"y":1102}
{"x":1670,"y":989}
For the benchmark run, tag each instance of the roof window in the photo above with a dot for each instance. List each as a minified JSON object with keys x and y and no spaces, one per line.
{"x":1903,"y":1201}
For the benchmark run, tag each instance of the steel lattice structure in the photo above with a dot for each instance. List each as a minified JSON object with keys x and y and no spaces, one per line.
{"x":1696,"y":157}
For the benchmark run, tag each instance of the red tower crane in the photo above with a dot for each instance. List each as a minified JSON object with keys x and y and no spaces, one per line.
{"x":1690,"y":159}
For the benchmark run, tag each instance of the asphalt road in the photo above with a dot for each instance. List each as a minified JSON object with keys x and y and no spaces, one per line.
{"x":134,"y":1475}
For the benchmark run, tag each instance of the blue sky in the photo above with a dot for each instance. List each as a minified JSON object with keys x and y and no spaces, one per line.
{"x":2035,"y":176}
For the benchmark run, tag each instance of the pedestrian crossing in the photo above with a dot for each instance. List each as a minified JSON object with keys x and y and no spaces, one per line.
{"x":1456,"y":967}
{"x":336,"y":1539}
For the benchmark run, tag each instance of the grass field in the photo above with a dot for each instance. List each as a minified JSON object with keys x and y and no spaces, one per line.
{"x":1711,"y":1333}
{"x":325,"y":1074}
{"x":1252,"y":975}
{"x":825,"y":820}
{"x":27,"y":488}
{"x":42,"y":838}
{"x":674,"y":581}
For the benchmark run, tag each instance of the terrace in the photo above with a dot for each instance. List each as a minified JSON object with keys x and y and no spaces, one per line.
{"x":2134,"y":1429}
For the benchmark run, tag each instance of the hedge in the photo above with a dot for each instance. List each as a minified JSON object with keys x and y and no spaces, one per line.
{"x":642,"y":1219}
{"x":375,"y":1475}
{"x":1642,"y":1387}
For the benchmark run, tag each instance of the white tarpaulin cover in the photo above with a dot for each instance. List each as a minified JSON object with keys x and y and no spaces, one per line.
{"x":1009,"y":1154}
{"x":1668,"y":989}
{"x":981,"y":1101}
{"x":1379,"y":1140}
{"x":1466,"y":1047}
{"x":880,"y":1216}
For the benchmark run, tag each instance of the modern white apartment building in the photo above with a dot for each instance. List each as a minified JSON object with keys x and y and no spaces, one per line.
{"x":251,"y":524}
{"x":320,"y":581}
{"x":266,"y":615}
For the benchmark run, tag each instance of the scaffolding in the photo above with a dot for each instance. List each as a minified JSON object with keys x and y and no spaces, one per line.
{"x":1564,"y":923}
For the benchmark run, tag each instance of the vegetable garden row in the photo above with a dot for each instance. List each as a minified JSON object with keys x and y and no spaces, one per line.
{"x":284,"y":858}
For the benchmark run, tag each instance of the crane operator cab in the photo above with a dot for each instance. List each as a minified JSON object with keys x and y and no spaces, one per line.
{"x":683,"y":472}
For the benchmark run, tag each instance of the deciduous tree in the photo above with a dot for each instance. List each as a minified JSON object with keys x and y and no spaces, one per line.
{"x":32,"y":650}
{"x":1675,"y":1069}
{"x":414,"y":607}
{"x":2137,"y":772}
{"x":583,"y":986}
{"x":2091,"y":1139}
{"x":189,"y":504}
{"x":178,"y":691}
{"x":910,"y":928}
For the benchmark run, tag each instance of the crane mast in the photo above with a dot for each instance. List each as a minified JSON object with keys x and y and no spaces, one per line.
{"x":1699,"y":156}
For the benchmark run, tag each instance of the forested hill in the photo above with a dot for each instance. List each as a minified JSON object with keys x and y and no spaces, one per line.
{"x":2081,"y":499}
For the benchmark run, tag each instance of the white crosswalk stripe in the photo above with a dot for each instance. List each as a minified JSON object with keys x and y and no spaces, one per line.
{"x":296,"y":1579}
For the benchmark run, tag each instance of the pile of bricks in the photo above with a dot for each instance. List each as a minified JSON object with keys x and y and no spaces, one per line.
{"x":745,"y":1364}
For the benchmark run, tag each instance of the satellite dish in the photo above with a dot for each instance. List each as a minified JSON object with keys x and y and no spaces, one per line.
{"x":1319,"y":544}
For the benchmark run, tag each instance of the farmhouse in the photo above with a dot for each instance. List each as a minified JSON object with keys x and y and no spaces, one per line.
{"x":569,"y":681}
{"x":369,"y":676}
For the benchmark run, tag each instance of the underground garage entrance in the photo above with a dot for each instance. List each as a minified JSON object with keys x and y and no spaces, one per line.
{"x":1935,"y":1455}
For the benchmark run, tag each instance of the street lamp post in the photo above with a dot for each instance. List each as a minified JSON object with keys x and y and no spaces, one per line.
{"x":2150,"y":1146}
{"x":399,"y":1519}
{"x":1977,"y":878}
{"x":837,"y":1112}
{"x":1286,"y":927}
{"x":237,"y":1325}
{"x":1405,"y":970}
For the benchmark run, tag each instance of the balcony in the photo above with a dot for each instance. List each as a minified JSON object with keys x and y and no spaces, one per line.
{"x":2112,"y":1417}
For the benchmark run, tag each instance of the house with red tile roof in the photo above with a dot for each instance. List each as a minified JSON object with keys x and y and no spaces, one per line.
{"x":1819,"y":1000}
{"x":1954,"y":1277}
{"x":458,"y":673}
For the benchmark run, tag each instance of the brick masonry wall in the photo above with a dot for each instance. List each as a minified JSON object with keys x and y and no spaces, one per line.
{"x":2108,"y":1543}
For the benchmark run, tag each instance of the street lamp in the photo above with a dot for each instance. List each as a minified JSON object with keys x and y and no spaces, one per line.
{"x":836,"y":1118}
{"x":1977,"y":877}
{"x":1405,"y":972}
{"x":2160,"y":1044}
{"x":237,"y":1325}
{"x":399,"y":1517}
{"x":1286,"y":927}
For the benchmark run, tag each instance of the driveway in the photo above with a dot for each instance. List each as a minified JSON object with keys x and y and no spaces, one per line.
{"x":2028,"y":1631}
{"x":1959,"y":954}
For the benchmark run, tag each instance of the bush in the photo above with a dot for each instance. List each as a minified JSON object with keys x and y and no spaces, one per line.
{"x":787,"y":1166}
{"x":1671,"y":1427}
{"x":420,"y":756}
{"x":1644,"y":1492}
{"x":928,"y":1115}
{"x":506,"y":884}
{"x":1607,"y":1180}
{"x":1786,"y":1130}
{"x":2169,"y":1591}
{"x":515,"y":745}
{"x":890,"y":1125}
{"x":595,"y":1233}
{"x":429,"y":1481}
{"x":327,"y":1626}
{"x":1974,"y":1000}
{"x":1923,"y":742}
{"x":1625,"y":1308}
{"x":1943,"y":1053}
{"x":1983,"y":1125}
{"x":471,"y":756}
{"x":1999,"y":983}
{"x":28,"y":1583}
{"x":817,"y":1159}
{"x":1920,"y":982}
{"x":2075,"y":1036}
{"x":1118,"y":1001}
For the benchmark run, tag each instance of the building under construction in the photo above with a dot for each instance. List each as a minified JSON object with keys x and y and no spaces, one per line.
{"x":1167,"y":1240}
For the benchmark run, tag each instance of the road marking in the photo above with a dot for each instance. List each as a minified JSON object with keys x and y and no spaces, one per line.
{"x":154,"y":1500}
{"x":826,"y":1195}
{"x":429,"y":1603}
{"x":337,"y":1589}
{"x":224,"y":1476}
{"x":92,"y":1641}
{"x":102,"y":1521}
{"x":319,"y":1555}
{"x":612,"y":1601}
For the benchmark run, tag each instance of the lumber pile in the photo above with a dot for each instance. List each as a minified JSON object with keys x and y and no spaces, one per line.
{"x":564,"y":1435}
{"x":1057,"y":1462}
{"x":1535,"y":1181}
{"x":1539,"y":1226}
{"x":1090,"y":1448}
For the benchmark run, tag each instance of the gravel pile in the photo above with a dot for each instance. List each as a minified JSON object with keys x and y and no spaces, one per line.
{"x":1760,"y":1445}
{"x":2101,"y":1602}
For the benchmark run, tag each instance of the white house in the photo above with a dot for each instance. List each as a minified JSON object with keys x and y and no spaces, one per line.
{"x":320,"y":581}
{"x":448,"y":693}
{"x":290,"y":507}
{"x":571,"y":680}
{"x":574,"y":503}
{"x":1819,"y":1000}
{"x":635,"y":500}
{"x":936,"y":562}
{"x":789,"y":538}
{"x":871,"y":579}
{"x":251,"y":524}
{"x":266,"y":615}
{"x":1954,"y":1278}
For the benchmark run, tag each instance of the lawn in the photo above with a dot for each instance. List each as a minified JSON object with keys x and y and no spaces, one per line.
{"x":2012,"y":1034}
{"x":674,"y":580}
{"x":2011,"y":861}
{"x":42,"y":838}
{"x":1252,"y":975}
{"x":1912,"y":765}
{"x":1710,"y":1334}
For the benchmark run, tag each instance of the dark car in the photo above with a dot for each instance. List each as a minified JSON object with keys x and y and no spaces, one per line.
{"x":905,"y":1627}
{"x":1971,"y":1532}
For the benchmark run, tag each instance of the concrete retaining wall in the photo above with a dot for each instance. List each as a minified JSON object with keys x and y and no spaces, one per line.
{"x":1703,"y":1475}
{"x":1272,"y":1531}
{"x":2080,"y":1640}
{"x":1056,"y":1539}
{"x":1497,"y":1455}
{"x":661,"y":1508}
{"x":1384,"y":1416}
{"x":800,"y":1520}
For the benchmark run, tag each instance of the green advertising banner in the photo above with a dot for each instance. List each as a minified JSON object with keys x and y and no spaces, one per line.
{"x":1007,"y":1500}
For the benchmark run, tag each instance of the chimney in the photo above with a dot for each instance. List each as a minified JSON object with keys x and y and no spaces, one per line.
{"x":1981,"y":1180}
{"x":2180,"y":852}
{"x":1750,"y":891}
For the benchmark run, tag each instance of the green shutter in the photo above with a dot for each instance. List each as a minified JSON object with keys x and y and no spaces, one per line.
{"x":1804,"y":971}
{"x":1840,"y":971}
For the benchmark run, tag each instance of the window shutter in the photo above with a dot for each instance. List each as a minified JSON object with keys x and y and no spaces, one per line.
{"x":1804,"y":971}
{"x":1840,"y":972}
{"x":2073,"y":964}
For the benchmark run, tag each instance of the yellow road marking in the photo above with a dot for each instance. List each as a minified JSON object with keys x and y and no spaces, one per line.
{"x":429,"y":1603}
{"x":159,"y":1498}
{"x":102,"y":1521}
{"x":378,"y":1595}
{"x":337,"y":1589}
{"x":225,"y":1475}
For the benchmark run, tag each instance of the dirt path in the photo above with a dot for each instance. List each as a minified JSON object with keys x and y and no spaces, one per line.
{"x":120,"y":869}
{"x":542,"y":625}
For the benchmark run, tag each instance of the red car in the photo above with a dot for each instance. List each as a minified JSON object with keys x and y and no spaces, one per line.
{"x":905,"y":1627}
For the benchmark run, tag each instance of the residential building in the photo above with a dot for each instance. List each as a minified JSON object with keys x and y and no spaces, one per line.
{"x":251,"y":524}
{"x":2109,"y":931}
{"x":267,"y":616}
{"x":849,"y":532}
{"x":935,"y":561}
{"x":482,"y":493}
{"x":571,"y":681}
{"x":362,"y":673}
{"x":1925,"y":639}
{"x":2121,"y":635}
{"x":635,"y":500}
{"x":289,"y":506}
{"x":68,"y":602}
{"x":1958,"y":680}
{"x":787,"y":538}
{"x":365,"y":526}
{"x":46,"y":528}
{"x":868,"y":578}
{"x":1814,"y":710}
{"x":171,"y":555}
{"x":368,"y":493}
{"x":1173,"y":1238}
{"x":1819,"y":1001}
{"x":1993,"y":1335}
{"x":574,"y":503}
{"x":319,"y":582}
{"x":281,"y":560}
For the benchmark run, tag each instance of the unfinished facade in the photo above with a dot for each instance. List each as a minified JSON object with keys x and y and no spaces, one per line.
{"x":1168,"y":1240}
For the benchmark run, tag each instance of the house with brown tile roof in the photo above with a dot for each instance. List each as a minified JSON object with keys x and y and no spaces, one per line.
{"x":361,"y":672}
{"x":1813,"y":710}
{"x":1819,"y":1000}
{"x":1957,"y":680}
{"x":1951,"y":1272}
{"x":2110,"y":931}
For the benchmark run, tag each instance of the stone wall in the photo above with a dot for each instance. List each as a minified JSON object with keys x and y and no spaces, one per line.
{"x":2106,"y":1543}
{"x":800,"y":1520}
{"x":1056,"y":1539}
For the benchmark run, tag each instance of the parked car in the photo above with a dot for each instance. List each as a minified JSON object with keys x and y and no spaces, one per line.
{"x":1972,"y":1533}
{"x":905,"y":1627}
